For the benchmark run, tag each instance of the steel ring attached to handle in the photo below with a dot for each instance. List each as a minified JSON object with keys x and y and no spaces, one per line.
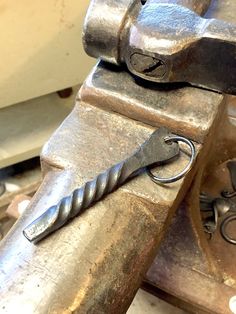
{"x":175,"y":138}
{"x":223,"y":227}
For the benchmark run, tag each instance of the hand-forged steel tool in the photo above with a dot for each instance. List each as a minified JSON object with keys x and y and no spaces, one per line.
{"x":160,"y":148}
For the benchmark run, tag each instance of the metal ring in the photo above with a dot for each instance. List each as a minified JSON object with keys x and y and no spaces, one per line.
{"x":175,"y":138}
{"x":223,"y":227}
{"x":228,"y":194}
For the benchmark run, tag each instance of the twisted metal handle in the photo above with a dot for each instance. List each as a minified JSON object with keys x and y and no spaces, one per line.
{"x":81,"y":198}
{"x":91,"y":192}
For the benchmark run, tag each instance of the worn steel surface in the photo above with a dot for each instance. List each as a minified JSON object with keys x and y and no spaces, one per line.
{"x":197,"y":272}
{"x":193,"y":272}
{"x":184,"y":271}
{"x":96,"y":263}
{"x":200,"y":7}
{"x":166,"y":42}
{"x":187,"y":111}
{"x":108,"y":21}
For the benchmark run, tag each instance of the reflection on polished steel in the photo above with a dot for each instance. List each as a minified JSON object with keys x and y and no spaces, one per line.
{"x":154,"y":151}
{"x":163,"y":41}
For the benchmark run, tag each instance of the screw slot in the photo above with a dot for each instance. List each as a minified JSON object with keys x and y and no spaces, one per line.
{"x":148,"y":65}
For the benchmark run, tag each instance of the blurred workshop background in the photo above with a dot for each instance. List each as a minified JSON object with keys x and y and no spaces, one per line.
{"x":42,"y":54}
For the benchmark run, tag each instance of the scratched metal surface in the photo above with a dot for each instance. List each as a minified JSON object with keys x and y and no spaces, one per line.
{"x":61,"y":274}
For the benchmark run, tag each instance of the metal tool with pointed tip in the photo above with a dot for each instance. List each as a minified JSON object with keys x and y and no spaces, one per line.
{"x":156,"y":150}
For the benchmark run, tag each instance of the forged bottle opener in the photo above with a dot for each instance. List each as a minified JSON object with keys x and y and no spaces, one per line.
{"x":160,"y":148}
